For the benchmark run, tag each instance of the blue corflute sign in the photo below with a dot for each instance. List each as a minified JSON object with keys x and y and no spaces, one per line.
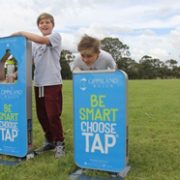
{"x":15,"y":96}
{"x":100,"y":127}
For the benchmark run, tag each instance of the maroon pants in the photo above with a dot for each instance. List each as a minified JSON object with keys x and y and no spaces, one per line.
{"x":49,"y":109}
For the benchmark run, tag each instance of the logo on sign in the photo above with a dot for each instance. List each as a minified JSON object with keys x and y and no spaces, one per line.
{"x":99,"y":83}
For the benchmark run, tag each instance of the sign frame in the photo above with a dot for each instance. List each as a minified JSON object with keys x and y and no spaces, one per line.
{"x":16,"y":97}
{"x":93,"y":114}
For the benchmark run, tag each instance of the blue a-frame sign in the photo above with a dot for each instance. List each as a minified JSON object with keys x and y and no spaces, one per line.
{"x":100,"y":120}
{"x":15,"y":96}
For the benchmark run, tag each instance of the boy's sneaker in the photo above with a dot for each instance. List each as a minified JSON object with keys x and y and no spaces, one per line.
{"x":60,"y":149}
{"x":46,"y":147}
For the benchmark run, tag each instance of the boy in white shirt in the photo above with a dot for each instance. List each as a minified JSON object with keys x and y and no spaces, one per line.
{"x":46,"y":53}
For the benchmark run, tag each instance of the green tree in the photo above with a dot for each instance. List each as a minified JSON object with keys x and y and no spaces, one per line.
{"x":171,"y":63}
{"x":173,"y":69}
{"x":115,"y":47}
{"x":121,"y":54}
{"x":146,"y":67}
{"x":65,"y":59}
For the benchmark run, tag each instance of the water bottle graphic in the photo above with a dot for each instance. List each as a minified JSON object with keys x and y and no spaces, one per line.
{"x":8,"y":68}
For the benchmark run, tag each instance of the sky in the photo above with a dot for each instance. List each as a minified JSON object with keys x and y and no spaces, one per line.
{"x":147,"y":27}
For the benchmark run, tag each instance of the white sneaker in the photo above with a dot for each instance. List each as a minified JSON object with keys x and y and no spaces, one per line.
{"x":60,"y":149}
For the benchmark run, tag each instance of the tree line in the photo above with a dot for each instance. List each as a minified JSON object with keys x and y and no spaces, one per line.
{"x":146,"y":68}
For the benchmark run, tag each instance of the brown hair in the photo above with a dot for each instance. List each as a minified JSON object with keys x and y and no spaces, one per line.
{"x":88,"y":42}
{"x":45,"y":16}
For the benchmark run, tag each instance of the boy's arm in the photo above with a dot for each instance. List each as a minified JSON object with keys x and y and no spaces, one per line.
{"x":33,"y":37}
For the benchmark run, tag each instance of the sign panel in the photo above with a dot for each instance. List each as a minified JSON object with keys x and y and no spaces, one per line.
{"x":100,"y":119}
{"x":15,"y":96}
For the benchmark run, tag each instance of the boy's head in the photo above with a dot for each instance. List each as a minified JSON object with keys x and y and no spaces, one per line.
{"x":45,"y":23}
{"x":89,"y":48}
{"x":45,"y":16}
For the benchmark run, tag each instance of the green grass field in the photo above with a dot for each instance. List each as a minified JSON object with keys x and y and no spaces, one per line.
{"x":154,"y":137}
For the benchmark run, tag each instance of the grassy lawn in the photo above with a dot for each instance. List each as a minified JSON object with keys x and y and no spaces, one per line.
{"x":154,"y":122}
{"x":154,"y":136}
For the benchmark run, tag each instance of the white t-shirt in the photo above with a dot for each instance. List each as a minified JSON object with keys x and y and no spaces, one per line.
{"x":46,"y":60}
{"x":103,"y":62}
